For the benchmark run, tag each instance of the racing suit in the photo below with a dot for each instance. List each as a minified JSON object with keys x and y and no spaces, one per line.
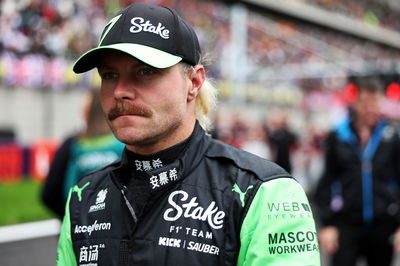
{"x":213,"y":205}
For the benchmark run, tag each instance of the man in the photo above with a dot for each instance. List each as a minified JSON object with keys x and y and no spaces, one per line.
{"x":177,"y":197}
{"x":358,"y":195}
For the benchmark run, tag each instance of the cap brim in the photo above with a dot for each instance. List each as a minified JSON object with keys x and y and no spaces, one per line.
{"x":151,"y":56}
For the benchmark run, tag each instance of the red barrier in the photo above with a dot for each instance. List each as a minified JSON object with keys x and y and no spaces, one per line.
{"x":11,"y":162}
{"x":41,"y":155}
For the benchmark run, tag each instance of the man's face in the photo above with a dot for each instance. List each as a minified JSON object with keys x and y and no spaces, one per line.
{"x":144,"y":105}
{"x":367,"y":108}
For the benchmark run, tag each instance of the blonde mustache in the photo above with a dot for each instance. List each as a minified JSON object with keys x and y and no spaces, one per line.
{"x":125,"y":108}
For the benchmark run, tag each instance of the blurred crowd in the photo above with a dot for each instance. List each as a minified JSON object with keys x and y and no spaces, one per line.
{"x":275,"y":136}
{"x":379,"y":13}
{"x":311,"y":51}
{"x":41,"y":38}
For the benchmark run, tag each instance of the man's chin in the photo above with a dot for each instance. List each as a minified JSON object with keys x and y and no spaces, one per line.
{"x":129,"y":139}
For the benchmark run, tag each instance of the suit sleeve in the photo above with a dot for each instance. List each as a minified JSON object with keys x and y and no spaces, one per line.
{"x":65,"y":251}
{"x":279,"y":228}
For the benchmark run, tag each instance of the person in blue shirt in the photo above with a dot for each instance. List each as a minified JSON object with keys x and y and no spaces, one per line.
{"x":358,"y":194}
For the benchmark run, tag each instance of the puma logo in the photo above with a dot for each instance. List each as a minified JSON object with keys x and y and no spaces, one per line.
{"x":241,"y":193}
{"x":79,"y":190}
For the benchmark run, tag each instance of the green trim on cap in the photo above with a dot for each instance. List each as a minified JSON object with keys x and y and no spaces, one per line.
{"x":151,"y":56}
{"x":109,"y":25}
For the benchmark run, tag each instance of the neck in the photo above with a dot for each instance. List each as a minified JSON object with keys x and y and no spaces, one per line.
{"x":363,"y":131}
{"x":140,"y":163}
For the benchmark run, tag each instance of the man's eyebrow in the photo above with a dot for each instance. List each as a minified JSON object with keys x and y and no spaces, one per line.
{"x":103,"y":65}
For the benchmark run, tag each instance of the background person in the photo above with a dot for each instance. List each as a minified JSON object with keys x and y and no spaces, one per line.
{"x":358,"y":194}
{"x":80,"y":154}
{"x":281,"y":139}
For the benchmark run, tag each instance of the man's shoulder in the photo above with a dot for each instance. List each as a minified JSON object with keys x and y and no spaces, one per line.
{"x":262,"y":168}
{"x":97,"y":176}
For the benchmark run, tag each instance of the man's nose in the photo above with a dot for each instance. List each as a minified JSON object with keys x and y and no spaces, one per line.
{"x":124,"y":90}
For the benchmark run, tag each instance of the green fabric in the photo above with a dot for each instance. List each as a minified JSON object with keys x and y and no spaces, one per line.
{"x":100,"y":142}
{"x":89,"y":154}
{"x":279,"y":228}
{"x":65,"y":251}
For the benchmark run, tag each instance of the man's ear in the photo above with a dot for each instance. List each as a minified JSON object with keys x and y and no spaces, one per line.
{"x":197,"y":77}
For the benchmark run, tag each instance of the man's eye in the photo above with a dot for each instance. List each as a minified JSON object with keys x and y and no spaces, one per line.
{"x":109,"y":75}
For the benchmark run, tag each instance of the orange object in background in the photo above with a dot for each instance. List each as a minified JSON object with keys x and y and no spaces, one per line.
{"x":11,"y":162}
{"x":41,"y":154}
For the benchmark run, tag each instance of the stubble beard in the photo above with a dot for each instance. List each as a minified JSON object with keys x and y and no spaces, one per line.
{"x":155,"y":131}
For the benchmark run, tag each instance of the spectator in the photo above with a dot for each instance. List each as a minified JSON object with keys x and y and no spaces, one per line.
{"x":80,"y":154}
{"x":358,"y":194}
{"x":255,"y":142}
{"x":282,"y":140}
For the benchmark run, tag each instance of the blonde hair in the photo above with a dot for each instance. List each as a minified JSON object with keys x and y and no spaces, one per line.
{"x":206,"y":100}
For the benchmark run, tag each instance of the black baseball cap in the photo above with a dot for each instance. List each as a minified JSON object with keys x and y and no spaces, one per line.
{"x":155,"y":35}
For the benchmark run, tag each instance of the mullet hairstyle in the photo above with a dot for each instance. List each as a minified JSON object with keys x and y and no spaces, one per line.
{"x":206,"y":100}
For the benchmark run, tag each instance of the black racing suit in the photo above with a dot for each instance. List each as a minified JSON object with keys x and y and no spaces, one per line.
{"x":214,"y":205}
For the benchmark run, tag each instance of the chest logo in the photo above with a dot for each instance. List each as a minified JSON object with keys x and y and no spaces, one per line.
{"x":100,"y":204}
{"x":191,"y":209}
{"x":79,"y":190}
{"x":242,"y":194}
{"x":101,"y":196}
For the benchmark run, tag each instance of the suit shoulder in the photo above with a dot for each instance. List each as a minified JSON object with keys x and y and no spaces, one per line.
{"x":262,"y":168}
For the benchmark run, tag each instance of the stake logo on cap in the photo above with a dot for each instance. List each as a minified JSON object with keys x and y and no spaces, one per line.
{"x":154,"y":35}
{"x":139,"y":25}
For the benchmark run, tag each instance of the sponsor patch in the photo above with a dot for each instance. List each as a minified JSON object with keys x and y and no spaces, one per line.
{"x":92,"y":228}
